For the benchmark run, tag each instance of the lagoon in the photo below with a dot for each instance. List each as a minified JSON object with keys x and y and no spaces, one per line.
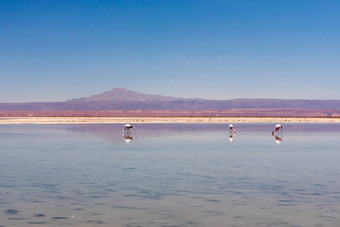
{"x":169,"y":175}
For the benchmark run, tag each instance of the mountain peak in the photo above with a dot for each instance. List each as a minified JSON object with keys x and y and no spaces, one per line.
{"x":123,"y":95}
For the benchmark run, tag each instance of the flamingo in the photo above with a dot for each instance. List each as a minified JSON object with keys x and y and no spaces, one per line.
{"x":231,"y":127}
{"x":127,"y":128}
{"x":276,"y":133}
{"x":232,"y":133}
{"x":278,"y":127}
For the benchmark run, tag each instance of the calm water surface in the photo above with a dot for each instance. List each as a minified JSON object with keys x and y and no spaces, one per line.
{"x":169,"y":175}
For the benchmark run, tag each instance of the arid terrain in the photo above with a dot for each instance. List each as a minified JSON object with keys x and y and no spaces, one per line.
{"x":123,"y":120}
{"x":176,"y":113}
{"x":121,"y":102}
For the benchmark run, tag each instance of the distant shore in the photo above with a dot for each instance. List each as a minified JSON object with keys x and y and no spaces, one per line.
{"x":136,"y":120}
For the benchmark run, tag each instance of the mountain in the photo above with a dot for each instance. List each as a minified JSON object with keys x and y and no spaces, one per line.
{"x":123,"y":95}
{"x":120,"y":99}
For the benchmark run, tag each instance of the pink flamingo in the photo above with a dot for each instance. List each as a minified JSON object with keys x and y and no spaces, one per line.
{"x":231,"y":127}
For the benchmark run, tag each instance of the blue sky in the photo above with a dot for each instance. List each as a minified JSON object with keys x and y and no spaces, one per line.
{"x":58,"y":50}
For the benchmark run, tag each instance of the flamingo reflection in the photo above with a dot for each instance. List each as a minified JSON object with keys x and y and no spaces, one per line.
{"x":231,"y":137}
{"x":128,"y":139}
{"x":278,"y":140}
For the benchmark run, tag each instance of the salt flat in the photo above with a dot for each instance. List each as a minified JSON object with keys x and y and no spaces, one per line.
{"x":112,"y":120}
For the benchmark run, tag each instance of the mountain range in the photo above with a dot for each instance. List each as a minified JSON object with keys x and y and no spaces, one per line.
{"x":121,"y":99}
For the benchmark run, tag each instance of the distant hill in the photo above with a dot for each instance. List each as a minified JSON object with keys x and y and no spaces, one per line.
{"x":123,"y":95}
{"x":120,"y":99}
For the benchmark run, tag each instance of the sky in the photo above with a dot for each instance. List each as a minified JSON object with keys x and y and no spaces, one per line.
{"x":64,"y":49}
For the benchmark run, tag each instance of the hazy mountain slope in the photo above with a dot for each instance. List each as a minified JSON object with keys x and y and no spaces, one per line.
{"x":123,"y":95}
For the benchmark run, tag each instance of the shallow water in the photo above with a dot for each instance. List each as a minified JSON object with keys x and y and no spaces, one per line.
{"x":169,"y":175}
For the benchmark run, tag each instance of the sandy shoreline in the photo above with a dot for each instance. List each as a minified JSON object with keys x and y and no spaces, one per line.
{"x":136,"y":120}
